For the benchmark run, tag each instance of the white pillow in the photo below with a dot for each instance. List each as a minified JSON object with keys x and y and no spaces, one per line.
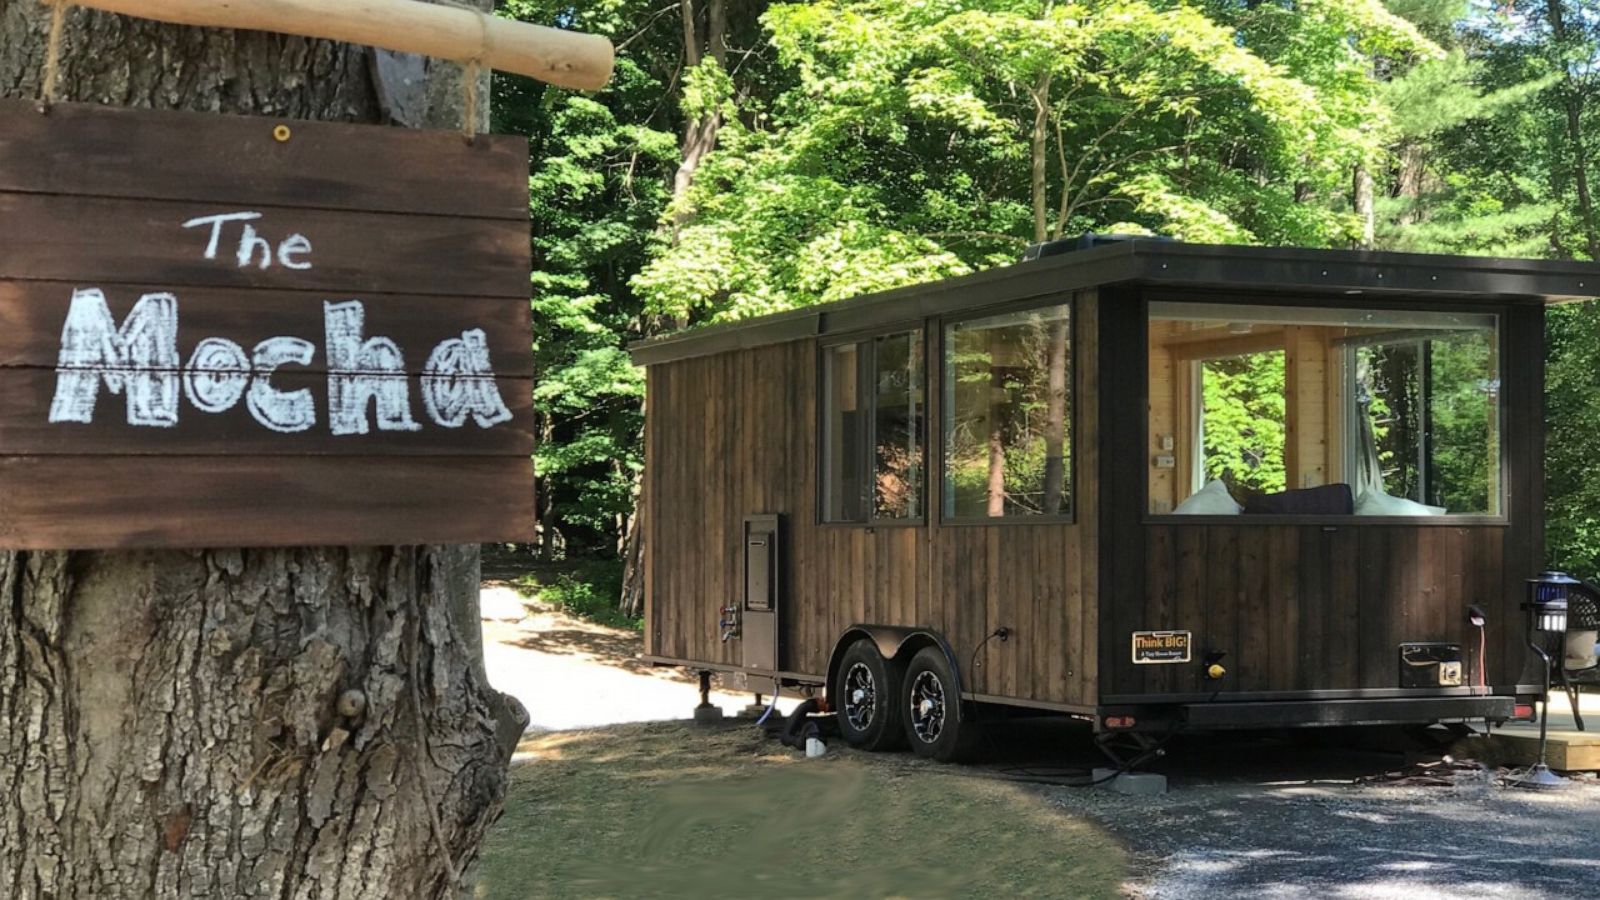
{"x":1380,"y":504}
{"x":1211,"y":500}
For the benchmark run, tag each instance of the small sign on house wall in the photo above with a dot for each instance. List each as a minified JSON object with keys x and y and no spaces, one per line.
{"x":228,"y":331}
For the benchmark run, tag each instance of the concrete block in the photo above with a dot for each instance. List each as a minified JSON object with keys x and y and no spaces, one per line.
{"x":1140,"y":784}
{"x":1134,"y":784}
{"x":707,"y":714}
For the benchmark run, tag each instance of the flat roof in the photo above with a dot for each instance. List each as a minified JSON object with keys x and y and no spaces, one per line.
{"x":1156,"y":263}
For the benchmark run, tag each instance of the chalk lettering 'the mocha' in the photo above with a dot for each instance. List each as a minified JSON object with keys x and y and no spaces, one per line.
{"x":139,"y":359}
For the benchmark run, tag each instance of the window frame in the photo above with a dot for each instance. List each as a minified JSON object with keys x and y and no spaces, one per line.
{"x":868,"y":400}
{"x":937,"y":444}
{"x":1400,"y":302}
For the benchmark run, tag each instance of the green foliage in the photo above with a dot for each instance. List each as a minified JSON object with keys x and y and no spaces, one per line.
{"x":587,"y":590}
{"x":1572,"y":421}
{"x":867,"y":144}
{"x":902,"y":149}
{"x":1464,"y":447}
{"x":598,"y":184}
{"x":1244,"y":420}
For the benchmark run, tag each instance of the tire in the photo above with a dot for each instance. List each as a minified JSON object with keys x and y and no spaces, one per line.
{"x":866,"y":697}
{"x":938,"y":724}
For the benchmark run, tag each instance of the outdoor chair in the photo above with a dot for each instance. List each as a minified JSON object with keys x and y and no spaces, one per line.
{"x":1583,"y":623}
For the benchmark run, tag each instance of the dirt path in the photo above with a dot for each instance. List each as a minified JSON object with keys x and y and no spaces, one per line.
{"x":574,"y":674}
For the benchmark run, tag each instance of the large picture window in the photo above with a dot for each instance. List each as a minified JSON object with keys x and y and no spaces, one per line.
{"x":1007,"y":415}
{"x":873,"y":418}
{"x":1380,"y":412}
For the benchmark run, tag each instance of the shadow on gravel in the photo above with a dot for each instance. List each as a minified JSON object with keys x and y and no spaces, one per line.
{"x":1253,"y":815}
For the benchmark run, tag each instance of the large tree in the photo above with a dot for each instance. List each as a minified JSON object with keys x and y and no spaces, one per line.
{"x":917,"y":141}
{"x":310,"y":722}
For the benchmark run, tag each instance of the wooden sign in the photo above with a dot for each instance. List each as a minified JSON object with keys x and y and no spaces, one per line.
{"x":227,"y":331}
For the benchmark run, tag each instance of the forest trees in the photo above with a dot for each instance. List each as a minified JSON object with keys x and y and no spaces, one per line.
{"x":864,"y":144}
{"x":606,"y":169}
{"x":924,"y":140}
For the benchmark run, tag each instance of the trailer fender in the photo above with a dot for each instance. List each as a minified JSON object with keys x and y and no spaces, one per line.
{"x":894,"y":642}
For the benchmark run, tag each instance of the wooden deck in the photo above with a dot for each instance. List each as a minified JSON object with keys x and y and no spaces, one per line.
{"x":1571,"y":750}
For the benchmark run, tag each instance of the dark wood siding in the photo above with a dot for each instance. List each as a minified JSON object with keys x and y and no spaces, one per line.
{"x":735,"y":434}
{"x":1298,"y":607}
{"x":1306,"y":607}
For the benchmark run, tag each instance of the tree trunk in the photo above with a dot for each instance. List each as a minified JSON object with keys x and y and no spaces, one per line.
{"x":307,"y":723}
{"x":1409,"y":181}
{"x":699,"y":135}
{"x":1037,"y":149}
{"x":631,"y":602}
{"x":1362,"y":201}
{"x":1572,"y":100}
{"x":1055,"y":421}
{"x":997,"y":443}
{"x":699,"y":138}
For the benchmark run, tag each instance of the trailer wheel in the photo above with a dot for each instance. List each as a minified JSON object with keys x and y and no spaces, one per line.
{"x":938,"y":724}
{"x":865,"y":694}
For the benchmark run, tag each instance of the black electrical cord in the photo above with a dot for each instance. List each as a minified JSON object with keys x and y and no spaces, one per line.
{"x":1054,"y":776}
{"x":1003,"y":633}
{"x":1046,"y":776}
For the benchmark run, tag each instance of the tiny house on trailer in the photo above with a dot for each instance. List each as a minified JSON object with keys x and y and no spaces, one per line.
{"x":1154,"y":484}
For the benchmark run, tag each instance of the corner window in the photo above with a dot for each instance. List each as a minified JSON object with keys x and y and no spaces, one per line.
{"x":1384,"y":412}
{"x":1007,"y":415}
{"x":873,"y":417}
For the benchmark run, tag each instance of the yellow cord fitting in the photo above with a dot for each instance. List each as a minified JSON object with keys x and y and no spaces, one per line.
{"x":1215,"y":671}
{"x":280,"y":133}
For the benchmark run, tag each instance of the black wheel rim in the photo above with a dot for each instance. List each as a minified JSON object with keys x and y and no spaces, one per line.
{"x":860,"y":697}
{"x":927,"y":707}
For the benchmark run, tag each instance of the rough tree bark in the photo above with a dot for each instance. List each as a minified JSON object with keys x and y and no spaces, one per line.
{"x":699,"y":135}
{"x":301,"y":723}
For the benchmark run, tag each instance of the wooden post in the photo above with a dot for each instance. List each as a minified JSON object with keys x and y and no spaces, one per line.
{"x":566,"y":59}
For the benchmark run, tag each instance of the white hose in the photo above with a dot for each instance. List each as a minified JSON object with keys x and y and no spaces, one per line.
{"x":775,"y":689}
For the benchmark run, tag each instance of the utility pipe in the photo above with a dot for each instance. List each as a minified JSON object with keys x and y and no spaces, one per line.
{"x":568,"y":59}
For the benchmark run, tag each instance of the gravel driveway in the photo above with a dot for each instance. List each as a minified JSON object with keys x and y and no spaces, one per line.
{"x":1256,"y":817}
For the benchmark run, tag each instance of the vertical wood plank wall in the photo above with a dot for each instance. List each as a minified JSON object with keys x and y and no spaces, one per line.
{"x":1310,"y":607}
{"x":735,"y":434}
{"x":1297,"y":607}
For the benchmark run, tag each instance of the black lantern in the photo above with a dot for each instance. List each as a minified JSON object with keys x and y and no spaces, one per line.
{"x":1547,"y":617}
